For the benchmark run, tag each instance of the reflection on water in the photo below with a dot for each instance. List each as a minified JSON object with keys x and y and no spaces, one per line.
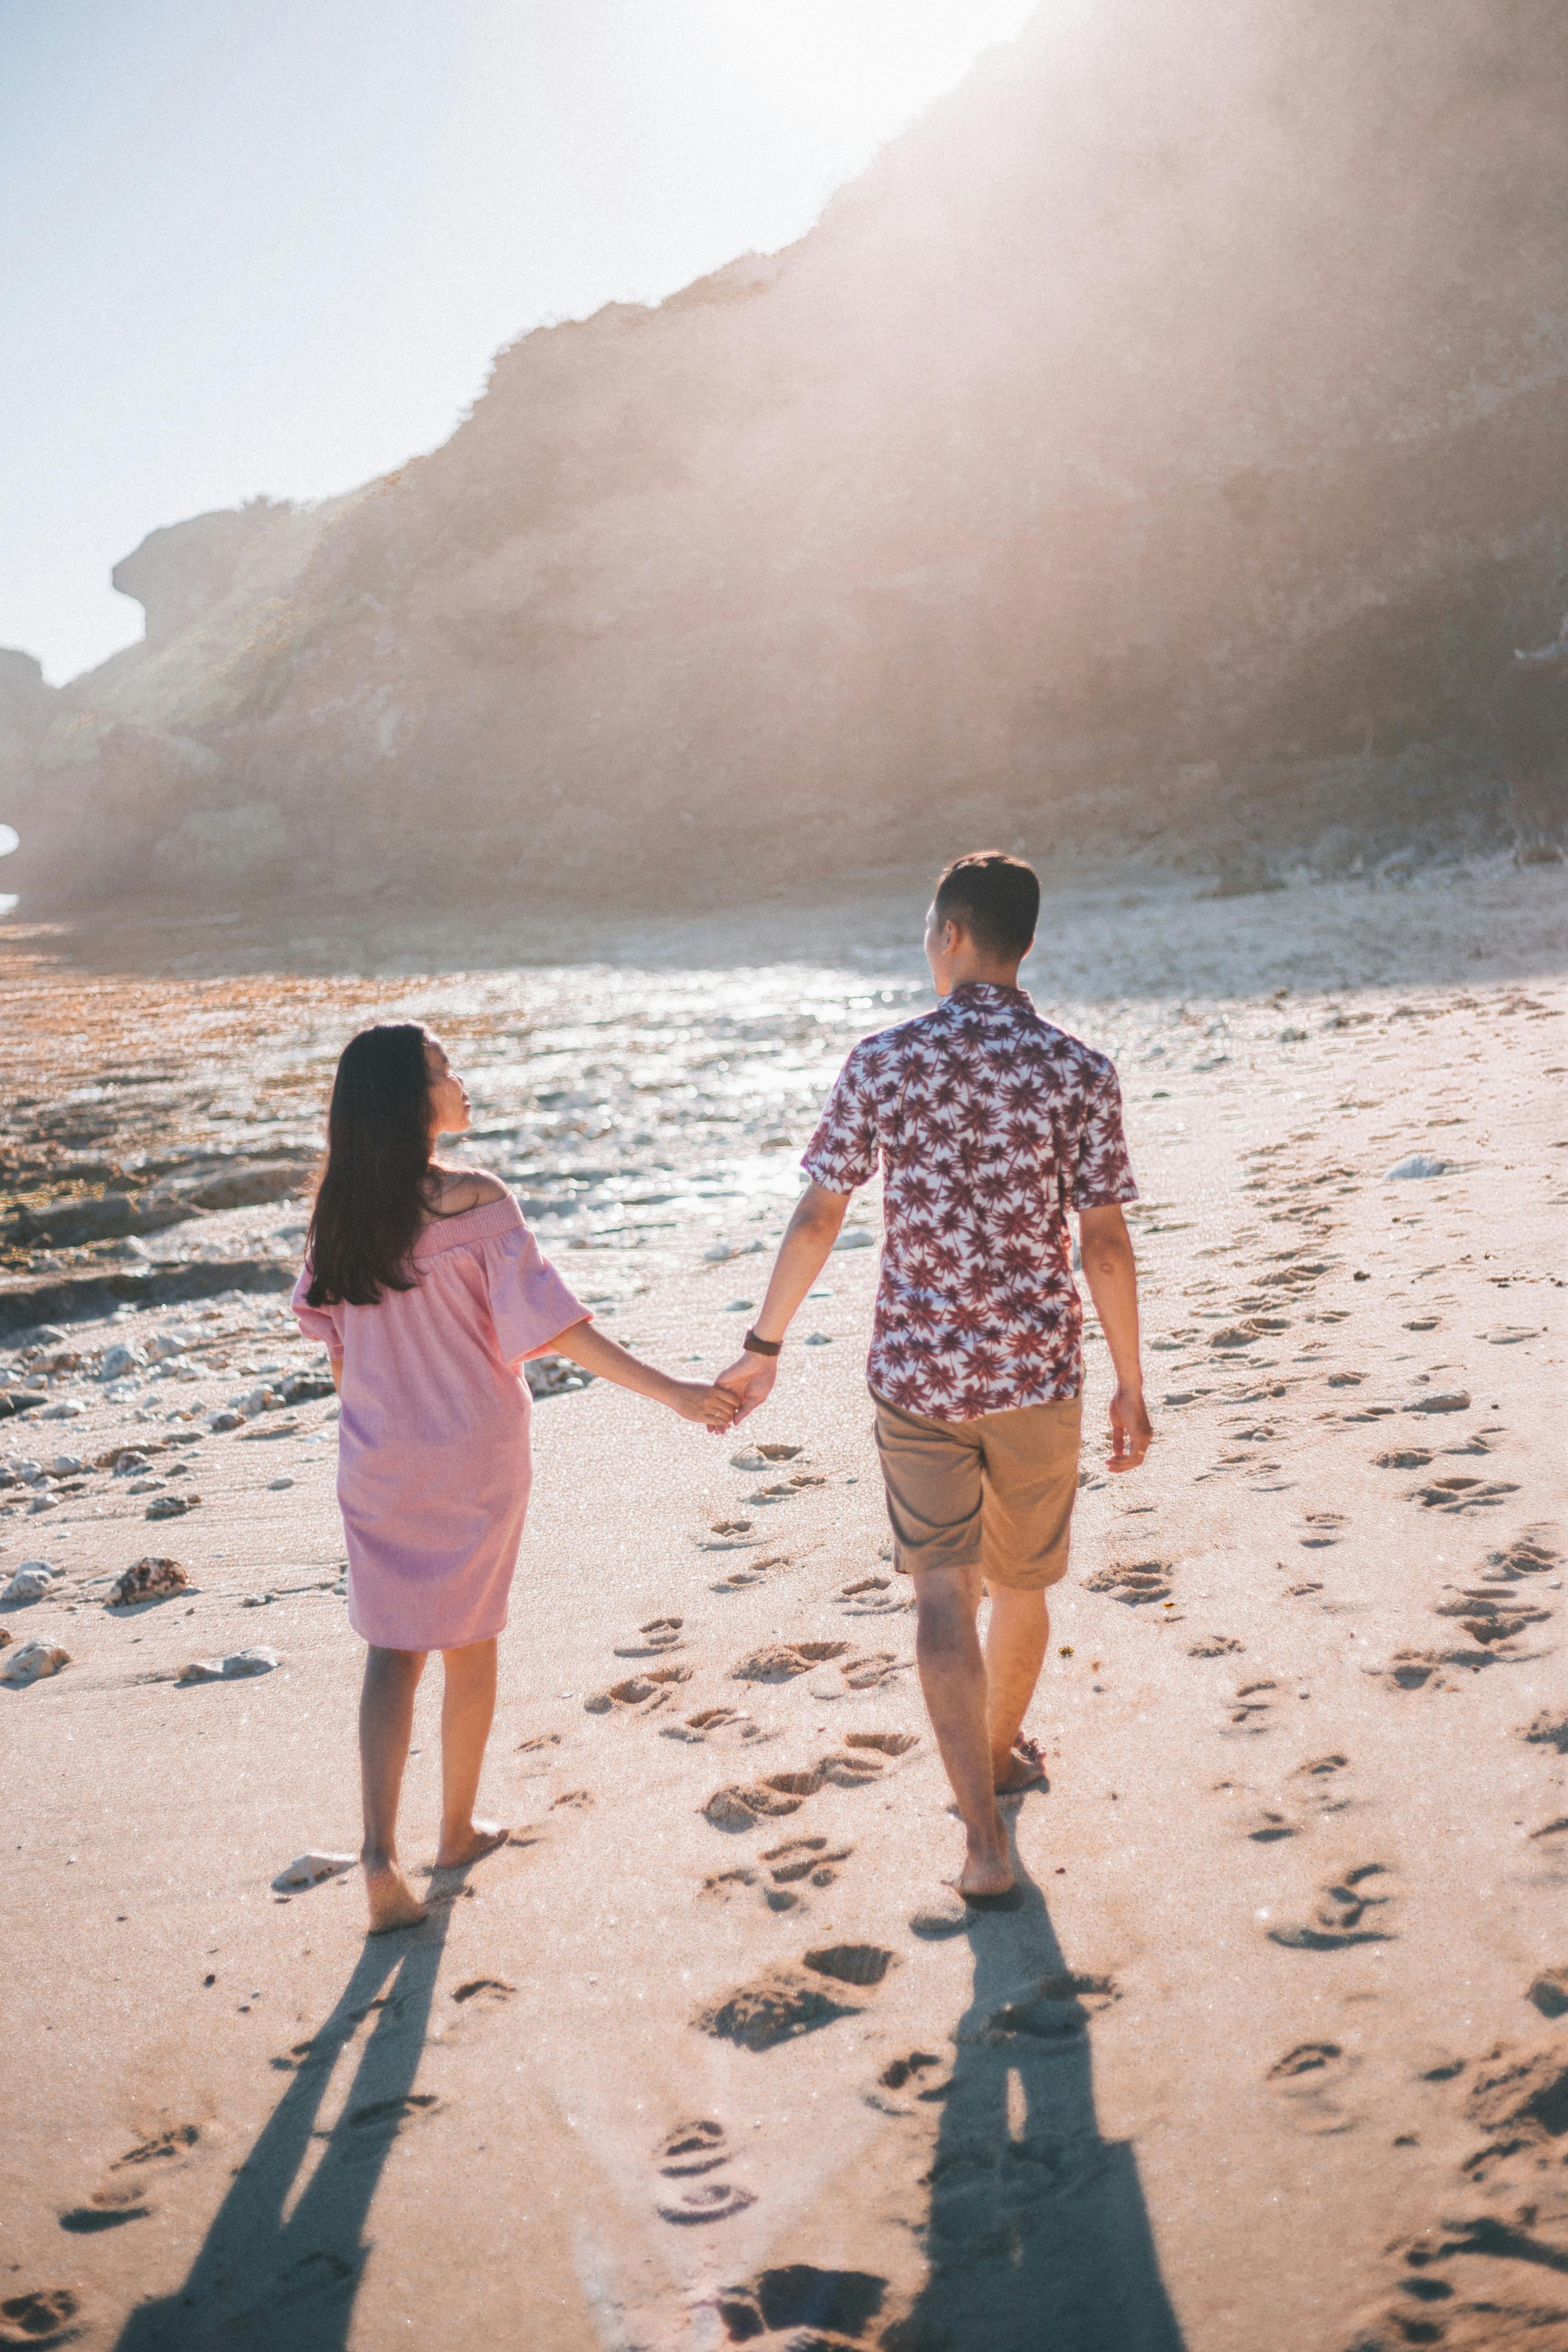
{"x":614,"y":1101}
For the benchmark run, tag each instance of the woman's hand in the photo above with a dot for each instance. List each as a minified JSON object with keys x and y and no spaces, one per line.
{"x":695,"y":1402}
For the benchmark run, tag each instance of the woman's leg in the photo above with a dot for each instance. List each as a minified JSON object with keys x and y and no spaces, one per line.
{"x":467,"y":1706}
{"x":385,"y":1723}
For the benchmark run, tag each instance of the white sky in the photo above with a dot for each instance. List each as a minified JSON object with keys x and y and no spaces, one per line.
{"x":273,"y":247}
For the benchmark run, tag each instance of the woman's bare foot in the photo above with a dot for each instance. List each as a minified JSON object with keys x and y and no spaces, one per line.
{"x":393,"y":1902}
{"x":467,"y":1845}
{"x":1023,"y":1769}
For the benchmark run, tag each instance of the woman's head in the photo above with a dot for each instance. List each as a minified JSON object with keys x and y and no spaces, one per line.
{"x":394,"y":1094}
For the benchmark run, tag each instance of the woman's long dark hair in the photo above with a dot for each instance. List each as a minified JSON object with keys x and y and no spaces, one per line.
{"x":373,"y":1196}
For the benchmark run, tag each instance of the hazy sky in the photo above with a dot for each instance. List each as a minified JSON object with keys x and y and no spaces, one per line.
{"x":272,"y":248}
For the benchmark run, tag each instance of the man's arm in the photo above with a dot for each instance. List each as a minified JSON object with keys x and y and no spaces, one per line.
{"x":802,"y":1252}
{"x":1111,"y":1270}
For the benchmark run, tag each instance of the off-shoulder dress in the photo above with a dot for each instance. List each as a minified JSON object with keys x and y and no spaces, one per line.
{"x":434,"y":1463}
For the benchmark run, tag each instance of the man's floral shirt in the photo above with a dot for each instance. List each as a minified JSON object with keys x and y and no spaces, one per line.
{"x":990,"y":1125}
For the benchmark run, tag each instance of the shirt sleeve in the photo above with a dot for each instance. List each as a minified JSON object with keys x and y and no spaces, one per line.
{"x":321,"y":1323}
{"x":530,"y":1305}
{"x":843,"y":1152}
{"x":1102,"y":1171}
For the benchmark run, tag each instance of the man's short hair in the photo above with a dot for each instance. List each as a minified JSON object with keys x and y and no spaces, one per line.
{"x":995,"y":898}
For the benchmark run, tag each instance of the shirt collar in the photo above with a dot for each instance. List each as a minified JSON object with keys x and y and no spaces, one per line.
{"x":988,"y":991}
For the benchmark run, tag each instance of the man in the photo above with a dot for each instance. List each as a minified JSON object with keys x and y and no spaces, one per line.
{"x":990,"y":1125}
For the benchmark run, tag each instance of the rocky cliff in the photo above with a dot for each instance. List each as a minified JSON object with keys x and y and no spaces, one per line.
{"x":1164,"y":440}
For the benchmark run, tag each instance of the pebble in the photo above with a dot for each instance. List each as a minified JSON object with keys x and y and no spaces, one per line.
{"x":310,"y":1869}
{"x":32,"y":1580}
{"x":67,"y":1410}
{"x":148,"y":1579}
{"x":219,"y":1422}
{"x":120,"y":1359}
{"x":238,"y":1667}
{"x":1420,"y":1164}
{"x":33,"y":1661}
{"x":1451,"y":1401}
{"x":818,"y":1339}
{"x":855,"y":1237}
{"x":171,"y":1506}
{"x":67,"y":1465}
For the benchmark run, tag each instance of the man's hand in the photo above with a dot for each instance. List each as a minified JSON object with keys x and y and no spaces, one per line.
{"x":750,"y":1380}
{"x":1132,"y":1431}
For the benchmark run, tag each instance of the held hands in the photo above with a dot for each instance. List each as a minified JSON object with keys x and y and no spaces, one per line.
{"x":748,"y":1382}
{"x":694,"y":1401}
{"x":1132,"y":1431}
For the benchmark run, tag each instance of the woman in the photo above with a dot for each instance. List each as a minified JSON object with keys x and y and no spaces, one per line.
{"x":429,"y":1293}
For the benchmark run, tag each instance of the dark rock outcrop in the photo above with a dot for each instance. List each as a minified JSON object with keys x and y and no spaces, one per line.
{"x":1163,"y":440}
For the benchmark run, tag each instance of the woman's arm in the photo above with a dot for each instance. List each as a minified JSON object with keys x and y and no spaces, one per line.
{"x":692,"y":1400}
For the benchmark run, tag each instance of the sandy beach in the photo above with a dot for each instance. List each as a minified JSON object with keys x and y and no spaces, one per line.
{"x":1275,"y":2052}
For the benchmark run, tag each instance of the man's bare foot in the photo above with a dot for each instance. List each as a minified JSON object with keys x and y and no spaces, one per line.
{"x":1023,"y":1769}
{"x":393,"y":1902}
{"x":988,"y":1866}
{"x":468,"y":1845}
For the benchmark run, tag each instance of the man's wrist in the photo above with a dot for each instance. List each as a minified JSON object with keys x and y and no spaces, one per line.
{"x":756,"y":1343}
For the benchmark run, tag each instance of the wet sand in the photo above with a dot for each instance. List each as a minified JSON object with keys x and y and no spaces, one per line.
{"x":1276,"y":2048}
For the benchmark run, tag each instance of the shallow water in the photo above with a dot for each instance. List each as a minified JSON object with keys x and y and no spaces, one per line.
{"x":617,"y":1102}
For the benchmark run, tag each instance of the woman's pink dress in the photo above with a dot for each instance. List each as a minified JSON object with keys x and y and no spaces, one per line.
{"x":433,"y":1453}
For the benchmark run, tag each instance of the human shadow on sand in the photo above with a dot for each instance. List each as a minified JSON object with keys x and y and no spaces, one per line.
{"x":1038,"y":2236}
{"x":264,"y":2283}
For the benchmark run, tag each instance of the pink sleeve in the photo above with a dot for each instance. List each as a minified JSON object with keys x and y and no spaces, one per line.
{"x":529,"y":1304}
{"x":322,"y":1323}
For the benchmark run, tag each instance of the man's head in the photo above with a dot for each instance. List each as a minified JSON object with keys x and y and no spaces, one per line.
{"x":980,"y":922}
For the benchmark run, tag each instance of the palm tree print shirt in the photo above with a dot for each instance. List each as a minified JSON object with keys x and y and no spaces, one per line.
{"x":990,"y":1125}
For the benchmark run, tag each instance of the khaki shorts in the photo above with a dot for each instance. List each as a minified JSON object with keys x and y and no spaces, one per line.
{"x":996,"y":1492}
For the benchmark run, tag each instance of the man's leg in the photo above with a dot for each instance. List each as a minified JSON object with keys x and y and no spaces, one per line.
{"x":1015,"y":1642}
{"x":953,"y":1680}
{"x":1031,"y":1484}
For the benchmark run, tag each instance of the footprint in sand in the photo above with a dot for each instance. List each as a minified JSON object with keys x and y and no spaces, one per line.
{"x":1322,"y":1529}
{"x":780,"y":2006}
{"x":684,"y":2154}
{"x":798,"y":1859}
{"x":1488,"y":1620}
{"x":800,"y":2296}
{"x":659,"y":1633}
{"x":1549,"y":1853}
{"x":1253,"y":1713}
{"x":1548,"y":1730}
{"x":778,"y":1793}
{"x":1056,"y":2009}
{"x":1313,"y":1791}
{"x":639,"y":1693}
{"x":1453,"y":1494}
{"x":40,"y":2319}
{"x":752,"y":1572}
{"x":1311,"y":2080}
{"x":716,"y":1723}
{"x":1138,"y":1585}
{"x":873,"y":1596}
{"x":1216,"y":1645}
{"x":920,"y":2076}
{"x":128,"y":2198}
{"x":1549,"y":1993}
{"x":1529,"y":1555}
{"x":781,"y":1660}
{"x":484,"y":1992}
{"x":1348,"y":1911}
